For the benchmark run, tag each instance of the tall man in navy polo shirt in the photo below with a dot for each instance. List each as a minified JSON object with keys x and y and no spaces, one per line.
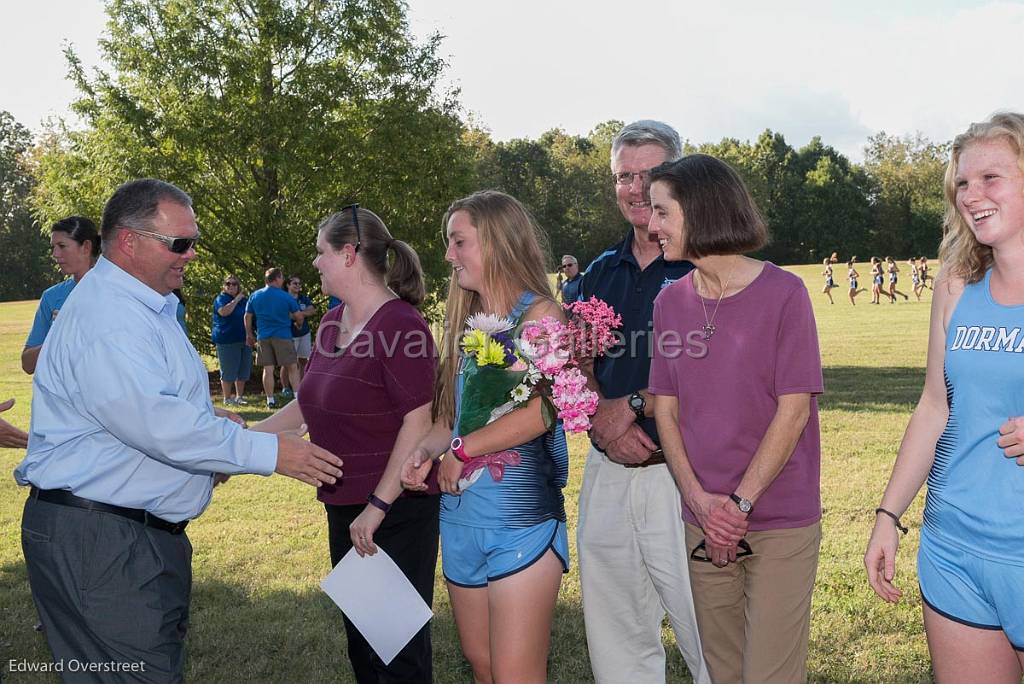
{"x":633,"y":560}
{"x":274,"y":310}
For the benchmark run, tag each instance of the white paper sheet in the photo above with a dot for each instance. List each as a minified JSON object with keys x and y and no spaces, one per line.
{"x":378,"y":599}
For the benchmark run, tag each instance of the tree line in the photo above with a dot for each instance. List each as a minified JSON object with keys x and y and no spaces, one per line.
{"x":273,"y":114}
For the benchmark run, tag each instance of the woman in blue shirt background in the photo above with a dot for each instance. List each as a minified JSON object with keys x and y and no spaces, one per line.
{"x":228,"y":332}
{"x":75,"y":244}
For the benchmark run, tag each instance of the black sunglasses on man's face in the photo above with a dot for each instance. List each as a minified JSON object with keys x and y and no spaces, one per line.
{"x":177,"y":245}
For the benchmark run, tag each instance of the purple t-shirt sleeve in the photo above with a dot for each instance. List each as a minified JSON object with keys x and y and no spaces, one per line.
{"x":408,"y":371}
{"x":798,"y":360}
{"x":661,"y":379}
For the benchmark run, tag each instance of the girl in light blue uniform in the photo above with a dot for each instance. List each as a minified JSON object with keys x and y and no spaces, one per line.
{"x":971,"y":556}
{"x":75,"y":244}
{"x":504,"y":544}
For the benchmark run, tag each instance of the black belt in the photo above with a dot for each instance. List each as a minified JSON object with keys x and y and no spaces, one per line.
{"x":63,"y":497}
{"x":657,"y":458}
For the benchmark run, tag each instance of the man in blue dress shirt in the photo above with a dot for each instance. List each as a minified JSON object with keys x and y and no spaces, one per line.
{"x":125,"y":448}
{"x":273,"y":310}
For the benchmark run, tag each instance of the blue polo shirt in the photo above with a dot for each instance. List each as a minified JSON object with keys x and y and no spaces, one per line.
{"x":571,"y":289}
{"x":333,"y":302}
{"x":272,"y":307}
{"x":304,"y":303}
{"x":49,"y":304}
{"x":228,"y":329}
{"x":615,"y":277}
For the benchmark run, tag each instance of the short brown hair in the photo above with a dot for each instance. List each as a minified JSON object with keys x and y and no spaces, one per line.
{"x":719,"y":213}
{"x":273,"y":274}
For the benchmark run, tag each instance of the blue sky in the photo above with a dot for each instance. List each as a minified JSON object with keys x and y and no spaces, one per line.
{"x":842,"y":70}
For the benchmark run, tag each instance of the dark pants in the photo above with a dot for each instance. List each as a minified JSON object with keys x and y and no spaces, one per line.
{"x":111,"y":593}
{"x":409,"y":536}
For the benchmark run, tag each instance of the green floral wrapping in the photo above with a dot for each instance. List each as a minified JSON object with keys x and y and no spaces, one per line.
{"x":484,"y":390}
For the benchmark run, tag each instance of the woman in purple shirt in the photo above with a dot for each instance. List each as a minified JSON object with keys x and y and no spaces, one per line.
{"x":735,"y":372}
{"x":366,"y":396}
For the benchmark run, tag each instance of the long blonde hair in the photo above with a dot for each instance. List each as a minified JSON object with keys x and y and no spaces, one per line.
{"x":960,"y":251}
{"x":515,"y":258}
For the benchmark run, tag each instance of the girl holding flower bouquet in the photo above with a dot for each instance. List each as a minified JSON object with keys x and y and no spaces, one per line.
{"x":499,"y":449}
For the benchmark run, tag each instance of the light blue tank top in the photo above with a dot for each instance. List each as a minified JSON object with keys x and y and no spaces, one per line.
{"x":529,"y":493}
{"x":975,"y":494}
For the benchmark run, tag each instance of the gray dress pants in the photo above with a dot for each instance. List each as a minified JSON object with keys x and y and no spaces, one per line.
{"x":112,"y":594}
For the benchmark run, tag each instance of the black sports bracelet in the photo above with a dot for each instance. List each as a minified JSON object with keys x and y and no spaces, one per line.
{"x":378,"y":503}
{"x":896,"y":519}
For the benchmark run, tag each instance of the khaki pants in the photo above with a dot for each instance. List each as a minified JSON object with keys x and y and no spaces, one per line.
{"x":633,"y":571}
{"x":755,"y":614}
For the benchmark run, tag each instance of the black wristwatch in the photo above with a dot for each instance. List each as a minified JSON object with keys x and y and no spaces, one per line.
{"x":745,"y":505}
{"x":637,"y":402}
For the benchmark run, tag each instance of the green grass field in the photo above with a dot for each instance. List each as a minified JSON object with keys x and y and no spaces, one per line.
{"x":261,"y":548}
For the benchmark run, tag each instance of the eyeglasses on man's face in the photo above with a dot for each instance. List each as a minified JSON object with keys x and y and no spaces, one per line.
{"x":177,"y":245}
{"x":564,"y":267}
{"x":627,"y":177}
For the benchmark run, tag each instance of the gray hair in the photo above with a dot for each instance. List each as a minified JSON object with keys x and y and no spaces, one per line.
{"x":571,"y":258}
{"x":649,"y":132}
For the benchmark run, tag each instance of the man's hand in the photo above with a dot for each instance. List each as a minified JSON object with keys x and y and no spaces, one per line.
{"x":250,"y":340}
{"x":611,"y":421}
{"x":10,"y":436}
{"x":230,"y":415}
{"x":304,"y":460}
{"x":415,"y":470}
{"x":634,"y":446}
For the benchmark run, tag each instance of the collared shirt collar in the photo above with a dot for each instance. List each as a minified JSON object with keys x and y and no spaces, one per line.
{"x":625,"y":252}
{"x":128,"y":283}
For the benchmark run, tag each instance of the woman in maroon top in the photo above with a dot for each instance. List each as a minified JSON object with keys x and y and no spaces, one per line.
{"x":366,"y":397}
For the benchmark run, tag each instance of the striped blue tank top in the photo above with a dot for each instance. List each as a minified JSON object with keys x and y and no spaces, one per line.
{"x":975,"y":494}
{"x":529,"y":493}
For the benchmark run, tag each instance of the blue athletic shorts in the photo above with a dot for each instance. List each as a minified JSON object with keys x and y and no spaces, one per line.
{"x":971,"y":590}
{"x":473,"y":556}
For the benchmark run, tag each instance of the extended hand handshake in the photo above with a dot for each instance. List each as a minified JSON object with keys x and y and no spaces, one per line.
{"x":305,"y":461}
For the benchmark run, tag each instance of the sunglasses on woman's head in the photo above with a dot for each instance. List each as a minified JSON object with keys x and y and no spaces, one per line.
{"x":355,"y":222}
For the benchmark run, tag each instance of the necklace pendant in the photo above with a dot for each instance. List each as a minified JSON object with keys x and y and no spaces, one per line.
{"x":709,"y":330}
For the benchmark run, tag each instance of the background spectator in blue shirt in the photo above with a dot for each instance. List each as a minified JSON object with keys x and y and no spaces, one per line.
{"x":273,"y":311}
{"x":234,"y":356}
{"x":125,"y":448}
{"x":302,"y":336}
{"x":570,"y":271}
{"x":76,"y":246}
